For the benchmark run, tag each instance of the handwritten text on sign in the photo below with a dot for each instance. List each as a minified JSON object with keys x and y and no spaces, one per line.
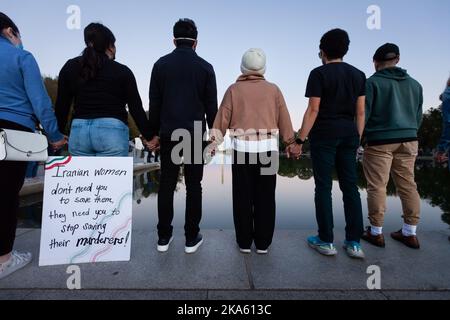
{"x":87,"y":210}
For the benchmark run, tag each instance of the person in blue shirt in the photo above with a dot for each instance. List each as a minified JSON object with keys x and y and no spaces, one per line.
{"x":444,"y":144}
{"x":23,"y":102}
{"x":443,"y":153}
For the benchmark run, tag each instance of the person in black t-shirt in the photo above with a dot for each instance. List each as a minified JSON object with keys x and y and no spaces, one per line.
{"x":334,"y":122}
{"x":100,"y":89}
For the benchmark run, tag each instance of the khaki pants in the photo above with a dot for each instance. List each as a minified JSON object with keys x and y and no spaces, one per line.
{"x":398,"y":160}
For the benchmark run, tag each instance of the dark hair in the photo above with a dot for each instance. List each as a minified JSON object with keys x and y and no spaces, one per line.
{"x":185,"y":28}
{"x":98,"y":39}
{"x":335,"y":43}
{"x":6,"y":22}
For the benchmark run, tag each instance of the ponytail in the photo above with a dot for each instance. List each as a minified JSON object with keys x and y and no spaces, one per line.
{"x":91,"y":63}
{"x":98,"y":39}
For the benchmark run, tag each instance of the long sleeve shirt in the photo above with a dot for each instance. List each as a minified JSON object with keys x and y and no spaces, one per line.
{"x":182,"y":91}
{"x":23,"y":97}
{"x":105,"y":96}
{"x":253,"y":105}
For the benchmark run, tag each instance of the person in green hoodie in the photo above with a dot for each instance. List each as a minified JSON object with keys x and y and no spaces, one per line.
{"x":393,"y":116}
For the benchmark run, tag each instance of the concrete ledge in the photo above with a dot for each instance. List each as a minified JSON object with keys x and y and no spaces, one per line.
{"x":32,"y":186}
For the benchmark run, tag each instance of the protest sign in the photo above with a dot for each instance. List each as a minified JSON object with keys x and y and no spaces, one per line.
{"x":87,"y":210}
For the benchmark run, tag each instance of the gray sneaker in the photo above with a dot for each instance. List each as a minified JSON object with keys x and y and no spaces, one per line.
{"x":324,"y":248}
{"x":17,"y":261}
{"x":354,"y":250}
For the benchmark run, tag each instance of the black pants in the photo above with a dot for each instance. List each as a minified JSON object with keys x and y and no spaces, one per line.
{"x":193,"y":175}
{"x":253,"y":201}
{"x":12,"y":177}
{"x":339,"y":154}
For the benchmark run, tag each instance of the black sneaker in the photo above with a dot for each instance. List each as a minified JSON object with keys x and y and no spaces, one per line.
{"x":164,"y":244}
{"x":192,"y":246}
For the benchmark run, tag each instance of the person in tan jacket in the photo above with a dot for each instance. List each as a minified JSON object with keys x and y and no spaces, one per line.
{"x":254,"y":112}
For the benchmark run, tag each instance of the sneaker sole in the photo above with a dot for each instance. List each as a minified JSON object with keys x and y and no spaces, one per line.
{"x":165,"y":248}
{"x":3,"y":276}
{"x":355,"y":256}
{"x":373,"y":243}
{"x":190,"y":250}
{"x":405,"y":244}
{"x":245,"y":251}
{"x":322,"y":251}
{"x":262,"y":252}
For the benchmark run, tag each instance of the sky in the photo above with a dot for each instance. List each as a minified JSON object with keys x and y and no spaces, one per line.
{"x":288,"y":31}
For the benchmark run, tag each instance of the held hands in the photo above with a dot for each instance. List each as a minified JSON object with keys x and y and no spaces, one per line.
{"x":153,"y":145}
{"x":440,"y":157}
{"x":294,"y":151}
{"x":212,"y":146}
{"x":59,"y":144}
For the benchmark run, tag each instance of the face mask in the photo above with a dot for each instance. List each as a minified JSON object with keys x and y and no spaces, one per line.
{"x":20,"y":45}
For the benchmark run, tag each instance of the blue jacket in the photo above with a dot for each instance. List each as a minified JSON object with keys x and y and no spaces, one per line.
{"x":444,"y":144}
{"x":23,"y":98}
{"x":446,"y":95}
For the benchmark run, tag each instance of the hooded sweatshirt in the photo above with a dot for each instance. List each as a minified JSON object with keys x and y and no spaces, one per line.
{"x":393,"y":107}
{"x":252,"y":109}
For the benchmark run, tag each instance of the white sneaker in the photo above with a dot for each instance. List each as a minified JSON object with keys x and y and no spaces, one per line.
{"x":192,"y":246}
{"x":245,"y":251}
{"x":17,"y":261}
{"x":262,"y":251}
{"x":164,"y":244}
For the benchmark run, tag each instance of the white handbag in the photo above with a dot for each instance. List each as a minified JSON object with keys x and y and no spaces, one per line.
{"x":22,"y":146}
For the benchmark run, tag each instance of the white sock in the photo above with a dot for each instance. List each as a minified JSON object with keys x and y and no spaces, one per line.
{"x":376,"y":231}
{"x":409,"y":230}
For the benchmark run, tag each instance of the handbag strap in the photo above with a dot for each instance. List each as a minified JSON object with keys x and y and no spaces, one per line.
{"x":17,"y":149}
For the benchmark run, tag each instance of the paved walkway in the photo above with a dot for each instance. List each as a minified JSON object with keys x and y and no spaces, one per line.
{"x":218,"y":271}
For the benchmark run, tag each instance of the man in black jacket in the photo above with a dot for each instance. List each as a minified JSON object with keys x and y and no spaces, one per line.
{"x":182,"y":91}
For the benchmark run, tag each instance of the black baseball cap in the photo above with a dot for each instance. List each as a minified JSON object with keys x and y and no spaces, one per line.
{"x":386,"y":52}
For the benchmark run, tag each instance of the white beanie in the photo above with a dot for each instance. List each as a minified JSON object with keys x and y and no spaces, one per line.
{"x":254,"y":61}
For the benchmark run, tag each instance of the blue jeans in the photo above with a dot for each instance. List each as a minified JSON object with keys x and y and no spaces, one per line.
{"x":102,"y":137}
{"x":32,"y":169}
{"x":338,"y":154}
